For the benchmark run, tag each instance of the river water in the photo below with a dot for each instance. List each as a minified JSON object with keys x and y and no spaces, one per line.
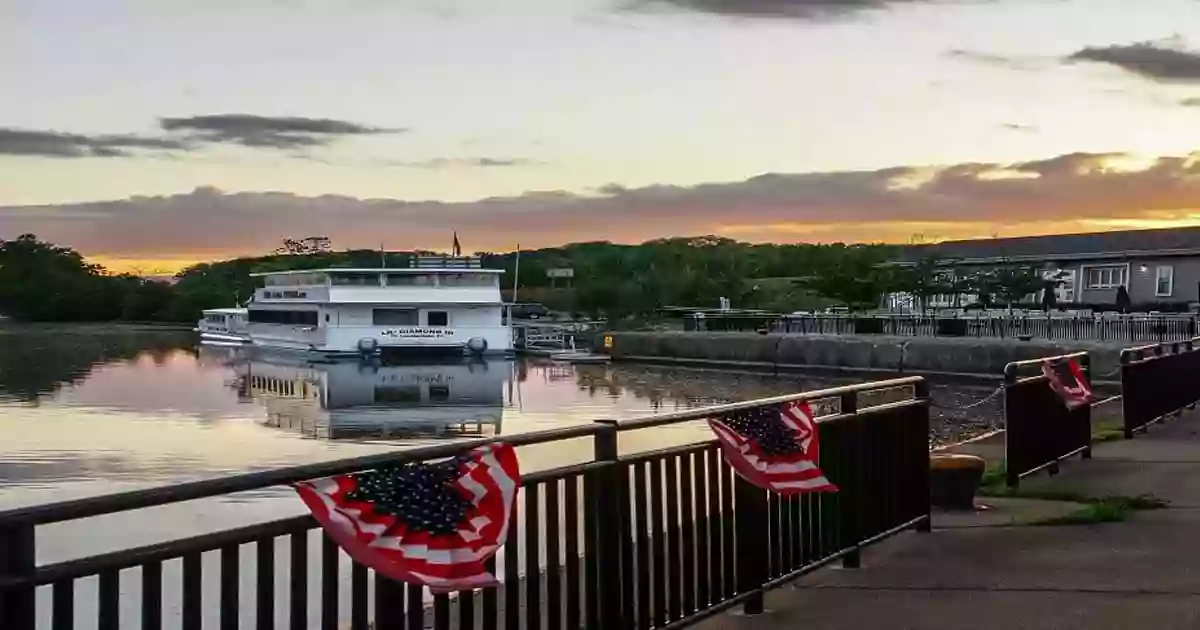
{"x":88,"y":411}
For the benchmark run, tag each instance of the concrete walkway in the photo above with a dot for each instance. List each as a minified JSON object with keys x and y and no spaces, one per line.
{"x":981,"y":572}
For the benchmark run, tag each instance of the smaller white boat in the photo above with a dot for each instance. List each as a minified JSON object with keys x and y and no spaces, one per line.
{"x":569,"y":356}
{"x":574,"y":355}
{"x":223,"y":327}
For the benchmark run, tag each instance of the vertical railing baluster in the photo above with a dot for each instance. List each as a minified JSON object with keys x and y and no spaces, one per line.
{"x":298,"y":613}
{"x":704,"y":571}
{"x":62,"y":606}
{"x":389,"y":603}
{"x":571,"y":550}
{"x":193,"y":602}
{"x":415,"y":599}
{"x":441,"y":611}
{"x":152,"y":616}
{"x":230,"y":584}
{"x":329,"y":583}
{"x":674,"y":610}
{"x":18,"y":609}
{"x":108,"y":615}
{"x":687,"y":532}
{"x":627,"y":540}
{"x":658,"y":544}
{"x":466,"y":610}
{"x":359,"y":580}
{"x":533,"y":548}
{"x":641,"y":524}
{"x":591,"y":564}
{"x":553,"y":561}
{"x":512,"y":574}
{"x":264,"y":587}
{"x":717,"y":592}
{"x":728,"y":550}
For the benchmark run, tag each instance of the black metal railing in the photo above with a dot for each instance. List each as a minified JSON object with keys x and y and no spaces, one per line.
{"x":646,"y":540}
{"x":1040,"y":431}
{"x":1158,"y":381}
{"x":1131,"y":328}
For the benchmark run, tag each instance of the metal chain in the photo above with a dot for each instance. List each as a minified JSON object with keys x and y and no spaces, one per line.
{"x":977,"y":403}
{"x":1112,"y":373}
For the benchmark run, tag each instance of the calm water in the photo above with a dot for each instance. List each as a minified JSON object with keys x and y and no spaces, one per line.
{"x":87,"y":412}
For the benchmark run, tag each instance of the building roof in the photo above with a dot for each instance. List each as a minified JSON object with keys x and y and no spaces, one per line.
{"x":1125,"y":244}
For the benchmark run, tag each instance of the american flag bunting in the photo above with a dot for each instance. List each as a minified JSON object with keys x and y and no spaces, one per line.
{"x":776,"y":448}
{"x":430,"y":524}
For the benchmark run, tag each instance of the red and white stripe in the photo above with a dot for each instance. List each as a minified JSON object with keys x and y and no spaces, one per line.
{"x":490,"y":478}
{"x":796,"y":473}
{"x":1074,"y":395}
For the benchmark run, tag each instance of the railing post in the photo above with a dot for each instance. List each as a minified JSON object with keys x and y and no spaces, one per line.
{"x":921,"y":393}
{"x":750,"y":525}
{"x":609,"y":528}
{"x":848,"y":501}
{"x":17,"y":567}
{"x":1012,"y":476}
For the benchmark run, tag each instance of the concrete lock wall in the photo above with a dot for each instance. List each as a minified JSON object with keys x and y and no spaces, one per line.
{"x":894,"y":354}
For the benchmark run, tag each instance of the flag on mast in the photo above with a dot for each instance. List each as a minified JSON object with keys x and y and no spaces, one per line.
{"x":457,"y":246}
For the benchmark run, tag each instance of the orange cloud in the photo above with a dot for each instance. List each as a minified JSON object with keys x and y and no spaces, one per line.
{"x":1068,"y":193}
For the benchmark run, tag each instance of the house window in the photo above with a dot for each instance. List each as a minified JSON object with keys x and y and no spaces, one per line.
{"x":1164,"y":281}
{"x":1105,"y":277}
{"x":395,"y":317}
{"x":437,"y":318}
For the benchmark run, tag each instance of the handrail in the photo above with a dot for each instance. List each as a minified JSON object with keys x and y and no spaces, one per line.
{"x":150,"y":497}
{"x":1142,"y":353}
{"x":1010,"y":369}
{"x":646,"y":422}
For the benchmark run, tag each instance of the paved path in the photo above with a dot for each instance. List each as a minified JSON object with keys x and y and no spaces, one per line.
{"x":981,"y":572}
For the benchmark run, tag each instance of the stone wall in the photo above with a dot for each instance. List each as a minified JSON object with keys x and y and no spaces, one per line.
{"x":952,"y":355}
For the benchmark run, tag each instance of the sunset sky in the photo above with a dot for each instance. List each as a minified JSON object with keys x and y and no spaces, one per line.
{"x":149,"y":134}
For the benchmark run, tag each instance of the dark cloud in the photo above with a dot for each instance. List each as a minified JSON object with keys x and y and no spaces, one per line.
{"x":853,"y":205}
{"x":268,"y":132}
{"x":1191,"y":102}
{"x":468,"y":162}
{"x":1018,"y":127}
{"x":803,"y":9}
{"x":1146,"y":59}
{"x":38,"y":143}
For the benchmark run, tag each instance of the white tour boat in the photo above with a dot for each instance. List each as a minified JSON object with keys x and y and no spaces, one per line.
{"x":223,"y":327}
{"x":438,"y":303}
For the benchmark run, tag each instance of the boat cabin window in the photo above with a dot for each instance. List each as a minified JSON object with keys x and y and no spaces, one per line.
{"x":395,"y":317}
{"x":437,"y":318}
{"x":468,"y":280}
{"x":295,"y":318}
{"x":409,"y":280}
{"x":214,"y":319}
{"x":294,"y":280}
{"x":355,"y":279}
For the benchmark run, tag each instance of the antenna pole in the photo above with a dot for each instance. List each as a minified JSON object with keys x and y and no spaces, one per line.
{"x":516,"y":274}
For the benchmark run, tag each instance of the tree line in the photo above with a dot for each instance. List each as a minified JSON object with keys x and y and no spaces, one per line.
{"x":40,"y":281}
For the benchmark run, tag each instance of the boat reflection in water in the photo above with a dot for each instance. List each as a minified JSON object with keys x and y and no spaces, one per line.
{"x":357,"y":400}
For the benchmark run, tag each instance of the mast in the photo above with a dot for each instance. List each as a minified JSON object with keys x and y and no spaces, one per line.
{"x":516,"y":274}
